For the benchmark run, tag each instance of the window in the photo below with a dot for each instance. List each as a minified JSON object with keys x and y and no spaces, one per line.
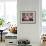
{"x":43,"y":16}
{"x":1,"y":9}
{"x":44,"y":12}
{"x":8,"y":10}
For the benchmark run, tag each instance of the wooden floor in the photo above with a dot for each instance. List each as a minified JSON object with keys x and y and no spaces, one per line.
{"x":2,"y":43}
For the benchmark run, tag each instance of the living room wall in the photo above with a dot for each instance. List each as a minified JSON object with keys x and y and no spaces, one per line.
{"x":31,"y":32}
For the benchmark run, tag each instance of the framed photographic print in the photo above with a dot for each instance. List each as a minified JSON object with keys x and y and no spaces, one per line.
{"x":28,"y":17}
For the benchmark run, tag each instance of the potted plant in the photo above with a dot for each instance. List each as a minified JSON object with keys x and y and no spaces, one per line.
{"x":1,"y":22}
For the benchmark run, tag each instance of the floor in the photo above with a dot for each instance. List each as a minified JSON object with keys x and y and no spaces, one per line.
{"x":2,"y":43}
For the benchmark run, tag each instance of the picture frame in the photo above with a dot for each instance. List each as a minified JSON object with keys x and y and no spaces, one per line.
{"x":28,"y":17}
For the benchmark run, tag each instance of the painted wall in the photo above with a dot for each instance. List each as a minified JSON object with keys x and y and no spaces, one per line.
{"x":30,"y":31}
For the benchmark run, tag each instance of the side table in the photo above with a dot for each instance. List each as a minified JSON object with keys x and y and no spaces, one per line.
{"x":1,"y":34}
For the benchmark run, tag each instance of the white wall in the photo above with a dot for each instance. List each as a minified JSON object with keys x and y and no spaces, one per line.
{"x":30,"y":31}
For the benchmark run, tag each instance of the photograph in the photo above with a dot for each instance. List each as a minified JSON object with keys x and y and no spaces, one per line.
{"x":28,"y":17}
